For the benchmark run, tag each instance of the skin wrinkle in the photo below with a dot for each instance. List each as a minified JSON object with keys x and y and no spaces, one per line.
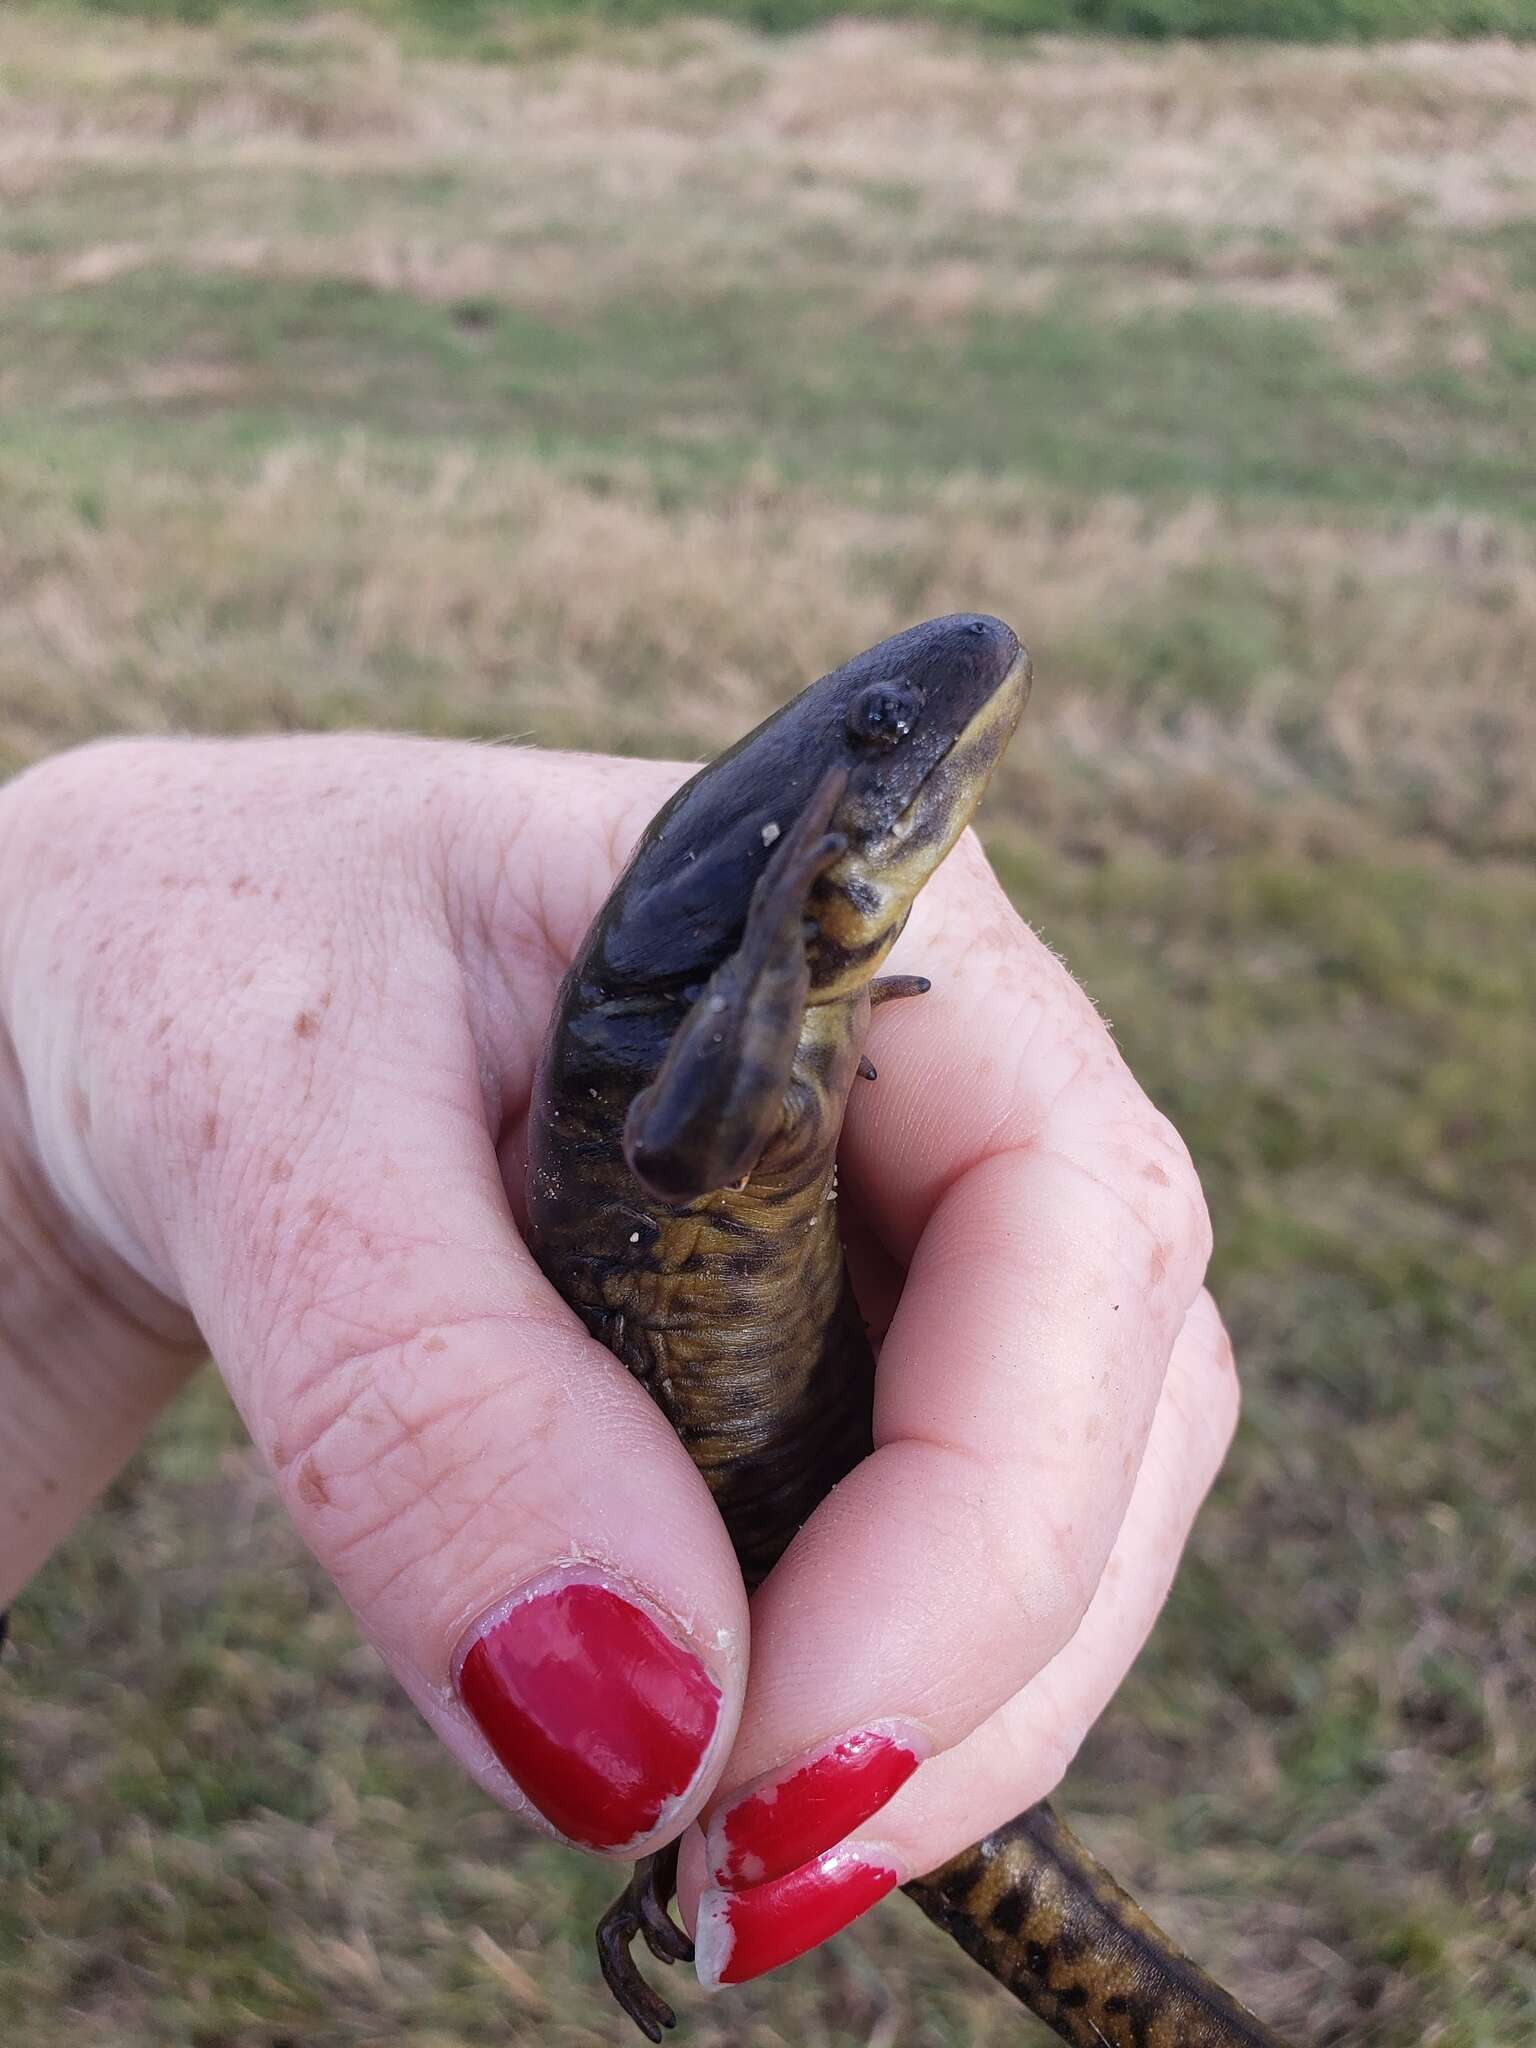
{"x":987,"y":1148}
{"x":80,"y":1276}
{"x":993,"y":1146}
{"x":951,"y":1244}
{"x":1063,"y":1469}
{"x":84,"y":1270}
{"x":537,"y":901}
{"x":1144,"y":1131}
{"x":401,"y":1451}
{"x":530,"y":1519}
{"x":611,"y":830}
{"x":251,"y":1192}
{"x":353,"y":1374}
{"x":424,"y":1493}
{"x":1179,"y":1251}
{"x":499,"y":1005}
{"x":964,"y":1521}
{"x":341,"y":1307}
{"x":268,"y":1216}
{"x":258,"y":1206}
{"x":1147,"y":1129}
{"x":432,"y":830}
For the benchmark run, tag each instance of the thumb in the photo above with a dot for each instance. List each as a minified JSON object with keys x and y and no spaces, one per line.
{"x":505,"y":1510}
{"x":234,"y":981}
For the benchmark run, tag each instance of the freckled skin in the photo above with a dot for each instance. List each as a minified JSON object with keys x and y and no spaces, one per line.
{"x":311,"y":1485}
{"x":682,"y":1198}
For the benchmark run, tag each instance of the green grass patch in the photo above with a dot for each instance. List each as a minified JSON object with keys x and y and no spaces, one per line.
{"x":1306,"y":21}
{"x":1216,"y":399}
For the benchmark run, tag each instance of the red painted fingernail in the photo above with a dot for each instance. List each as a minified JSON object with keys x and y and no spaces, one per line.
{"x":601,"y":1715}
{"x":785,"y":1819}
{"x":742,"y":1934}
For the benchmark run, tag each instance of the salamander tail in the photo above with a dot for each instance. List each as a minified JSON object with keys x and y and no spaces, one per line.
{"x":1033,"y":1907}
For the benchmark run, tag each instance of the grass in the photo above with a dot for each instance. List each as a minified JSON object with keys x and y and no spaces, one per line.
{"x":453,"y":23}
{"x":601,"y":393}
{"x":1201,"y":399}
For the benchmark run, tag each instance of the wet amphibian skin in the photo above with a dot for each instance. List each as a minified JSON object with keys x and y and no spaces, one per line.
{"x":682,"y":1148}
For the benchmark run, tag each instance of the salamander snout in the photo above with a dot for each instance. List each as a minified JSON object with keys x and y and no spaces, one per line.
{"x":978,"y":640}
{"x":969,"y":654}
{"x":998,"y":639}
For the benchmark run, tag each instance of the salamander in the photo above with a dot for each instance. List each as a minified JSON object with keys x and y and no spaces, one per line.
{"x":682,"y":1148}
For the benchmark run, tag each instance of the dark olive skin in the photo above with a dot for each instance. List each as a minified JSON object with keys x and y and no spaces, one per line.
{"x":682,"y":1146}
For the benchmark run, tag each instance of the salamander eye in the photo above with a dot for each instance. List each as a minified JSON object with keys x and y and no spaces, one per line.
{"x":884,"y":714}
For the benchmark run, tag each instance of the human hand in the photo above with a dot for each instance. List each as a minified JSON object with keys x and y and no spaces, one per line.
{"x":275,"y":1008}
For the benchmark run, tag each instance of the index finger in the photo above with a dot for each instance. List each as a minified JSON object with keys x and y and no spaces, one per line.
{"x":1056,"y":1239}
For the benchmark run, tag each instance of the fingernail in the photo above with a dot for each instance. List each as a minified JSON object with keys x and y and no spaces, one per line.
{"x":596,"y":1708}
{"x":797,"y":1811}
{"x":742,"y":1934}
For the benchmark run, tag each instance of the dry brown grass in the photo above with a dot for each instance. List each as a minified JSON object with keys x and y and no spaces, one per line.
{"x":497,"y":595}
{"x":933,"y":155}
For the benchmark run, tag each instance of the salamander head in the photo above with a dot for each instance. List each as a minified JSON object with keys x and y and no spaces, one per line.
{"x":925,"y":718}
{"x":916,"y":725}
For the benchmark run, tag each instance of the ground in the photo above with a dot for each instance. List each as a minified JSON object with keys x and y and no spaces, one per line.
{"x":599,"y":395}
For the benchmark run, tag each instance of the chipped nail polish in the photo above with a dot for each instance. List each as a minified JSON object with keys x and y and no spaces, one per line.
{"x":794,"y":1813}
{"x":744,"y":1933}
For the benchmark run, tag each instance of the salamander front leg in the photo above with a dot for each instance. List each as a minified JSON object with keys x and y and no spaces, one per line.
{"x":718,"y":1096}
{"x":892,"y":988}
{"x":641,"y":1908}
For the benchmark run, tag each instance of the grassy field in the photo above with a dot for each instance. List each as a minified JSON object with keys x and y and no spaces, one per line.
{"x":480,"y":25}
{"x":601,"y":394}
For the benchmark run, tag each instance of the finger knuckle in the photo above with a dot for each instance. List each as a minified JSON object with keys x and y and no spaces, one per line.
{"x":1205,"y":1373}
{"x":1190,"y":1216}
{"x":1163,"y":1188}
{"x":1044,"y":1572}
{"x":1103,"y":1120}
{"x":959,"y":1514}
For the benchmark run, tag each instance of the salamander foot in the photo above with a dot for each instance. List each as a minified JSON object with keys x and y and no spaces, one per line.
{"x":641,"y":1908}
{"x":895,"y":988}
